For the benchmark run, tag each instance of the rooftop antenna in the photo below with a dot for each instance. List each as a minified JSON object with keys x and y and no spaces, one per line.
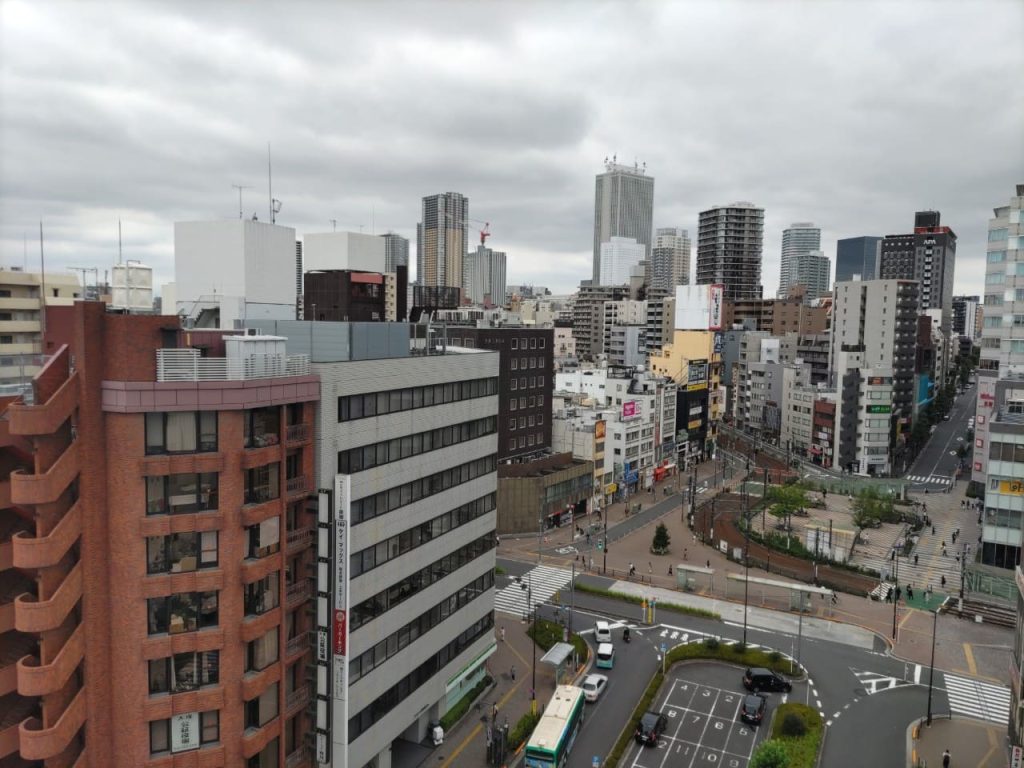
{"x":240,"y":187}
{"x":334,"y":224}
{"x":270,"y":185}
{"x":42,"y":278}
{"x":118,"y":241}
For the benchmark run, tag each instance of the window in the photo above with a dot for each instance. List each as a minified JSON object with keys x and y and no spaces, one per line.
{"x":263,"y":595}
{"x":181,"y":612}
{"x":190,"y":731}
{"x":180,"y":494}
{"x":515,"y":383}
{"x":995,"y":235}
{"x":264,"y":538}
{"x":533,"y":382}
{"x":515,"y":343}
{"x":377,"y":454}
{"x":533,"y":343}
{"x":263,"y":483}
{"x":262,"y":652}
{"x":184,"y":672}
{"x":512,"y":444}
{"x":262,"y":427}
{"x":6,"y":339}
{"x":181,"y":432}
{"x":181,"y":552}
{"x":352,"y":407}
{"x":262,"y":709}
{"x":266,"y":757}
{"x":515,"y":363}
{"x":512,"y":404}
{"x":541,"y":342}
{"x":511,"y":423}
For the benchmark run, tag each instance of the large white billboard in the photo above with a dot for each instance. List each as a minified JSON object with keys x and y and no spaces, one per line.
{"x":699,"y":307}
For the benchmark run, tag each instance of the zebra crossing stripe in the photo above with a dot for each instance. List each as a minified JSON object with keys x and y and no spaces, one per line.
{"x":538,"y":584}
{"x":976,"y":699}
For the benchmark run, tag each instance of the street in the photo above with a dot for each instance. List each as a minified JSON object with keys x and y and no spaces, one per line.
{"x":935,"y":467}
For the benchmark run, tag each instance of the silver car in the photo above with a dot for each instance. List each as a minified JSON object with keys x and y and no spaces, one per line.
{"x":593,"y":686}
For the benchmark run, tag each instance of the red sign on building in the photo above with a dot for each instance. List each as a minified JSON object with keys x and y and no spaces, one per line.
{"x":339,"y":633}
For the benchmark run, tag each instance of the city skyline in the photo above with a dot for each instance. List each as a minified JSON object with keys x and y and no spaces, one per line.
{"x":151,"y":146}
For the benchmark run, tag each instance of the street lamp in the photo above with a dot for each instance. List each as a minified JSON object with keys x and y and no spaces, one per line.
{"x":604,"y":569}
{"x":896,"y":592}
{"x":533,"y":687}
{"x":746,"y":567}
{"x":931,"y":671}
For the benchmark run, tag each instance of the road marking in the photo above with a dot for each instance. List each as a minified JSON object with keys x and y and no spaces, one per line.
{"x":874,"y":682}
{"x":974,"y":698}
{"x":970,"y":659}
{"x":917,"y":674}
{"x":539,"y":583}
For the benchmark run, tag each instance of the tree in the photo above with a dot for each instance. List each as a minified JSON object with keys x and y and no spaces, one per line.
{"x":786,"y":501}
{"x":870,"y":509}
{"x":659,"y":545}
{"x":771,"y":754}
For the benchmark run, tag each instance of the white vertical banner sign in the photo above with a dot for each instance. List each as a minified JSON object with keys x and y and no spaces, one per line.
{"x":339,"y":688}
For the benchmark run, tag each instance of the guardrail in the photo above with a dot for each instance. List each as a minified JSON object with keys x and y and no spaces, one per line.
{"x":188,"y":365}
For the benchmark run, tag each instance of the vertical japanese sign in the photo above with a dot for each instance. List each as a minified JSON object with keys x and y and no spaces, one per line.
{"x":342,"y":516}
{"x":716,"y":295}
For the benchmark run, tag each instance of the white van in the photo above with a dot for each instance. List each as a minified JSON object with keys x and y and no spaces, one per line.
{"x":603,"y":632}
{"x":605,"y":656}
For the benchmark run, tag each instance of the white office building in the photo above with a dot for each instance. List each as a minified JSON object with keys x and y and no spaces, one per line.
{"x":323,"y":251}
{"x":670,"y":259}
{"x":484,"y":275}
{"x":623,"y":207}
{"x":618,"y":258}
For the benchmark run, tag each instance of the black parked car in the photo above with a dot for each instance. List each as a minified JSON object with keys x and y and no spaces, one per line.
{"x":761,"y":679}
{"x":650,"y":728}
{"x":753,"y":707}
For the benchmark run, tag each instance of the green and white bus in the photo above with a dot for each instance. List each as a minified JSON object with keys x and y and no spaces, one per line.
{"x":552,"y":739}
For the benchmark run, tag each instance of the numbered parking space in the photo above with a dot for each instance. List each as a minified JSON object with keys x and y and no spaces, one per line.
{"x":702,"y":705}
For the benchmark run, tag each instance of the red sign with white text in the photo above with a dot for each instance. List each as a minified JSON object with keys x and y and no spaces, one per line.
{"x":339,"y":633}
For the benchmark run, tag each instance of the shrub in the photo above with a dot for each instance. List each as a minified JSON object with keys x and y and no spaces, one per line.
{"x":793,"y":725}
{"x":739,"y":647}
{"x":771,"y":754}
{"x":522,"y":730}
{"x":775,"y":656}
{"x":453,"y":715}
{"x":711,"y":643}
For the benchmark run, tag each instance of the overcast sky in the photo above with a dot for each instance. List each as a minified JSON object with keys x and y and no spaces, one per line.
{"x":847,"y":114}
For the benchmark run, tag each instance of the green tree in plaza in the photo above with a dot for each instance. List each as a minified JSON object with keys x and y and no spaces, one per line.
{"x":771,"y":754}
{"x":659,"y":545}
{"x":786,"y":501}
{"x":871,"y":508}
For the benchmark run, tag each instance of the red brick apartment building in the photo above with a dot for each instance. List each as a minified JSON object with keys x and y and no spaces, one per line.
{"x":155,"y":549}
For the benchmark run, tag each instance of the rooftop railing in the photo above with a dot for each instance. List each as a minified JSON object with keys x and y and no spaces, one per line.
{"x":188,"y":365}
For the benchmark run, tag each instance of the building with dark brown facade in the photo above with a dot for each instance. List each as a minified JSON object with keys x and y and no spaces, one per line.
{"x":526,"y":381}
{"x":346,"y":295}
{"x":155,"y":549}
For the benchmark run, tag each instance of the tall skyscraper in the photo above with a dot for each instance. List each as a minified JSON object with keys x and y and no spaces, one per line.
{"x":812,"y":270}
{"x":670,"y":259}
{"x":729,"y":248}
{"x":857,"y":256}
{"x":801,"y":237}
{"x":618,"y":257}
{"x":623,"y":207}
{"x":485,"y":276}
{"x":441,"y":240}
{"x":396,"y":251}
{"x":928,"y":255}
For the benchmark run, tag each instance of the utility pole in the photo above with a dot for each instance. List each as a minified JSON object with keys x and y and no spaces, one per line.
{"x":931,"y":671}
{"x":604,"y":568}
{"x":746,"y":568}
{"x":895,"y":592}
{"x":533,"y":687}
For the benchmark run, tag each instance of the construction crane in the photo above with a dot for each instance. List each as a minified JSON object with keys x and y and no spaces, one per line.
{"x":484,"y":233}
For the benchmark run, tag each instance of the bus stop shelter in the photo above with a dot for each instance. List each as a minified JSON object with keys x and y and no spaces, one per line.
{"x":560,"y":657}
{"x":689,"y":577}
{"x":799,"y":594}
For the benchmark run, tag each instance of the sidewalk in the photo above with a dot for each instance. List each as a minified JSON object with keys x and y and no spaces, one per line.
{"x":466,"y":742}
{"x":970,"y":743}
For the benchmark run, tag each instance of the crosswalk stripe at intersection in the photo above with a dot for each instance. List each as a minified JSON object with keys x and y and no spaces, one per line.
{"x":543,"y":582}
{"x":976,"y":699}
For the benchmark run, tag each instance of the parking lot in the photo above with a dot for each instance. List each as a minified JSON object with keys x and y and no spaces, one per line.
{"x":702,"y":703}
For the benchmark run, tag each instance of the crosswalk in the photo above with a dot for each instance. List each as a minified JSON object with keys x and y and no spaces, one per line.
{"x":973,"y":698}
{"x":539,"y":583}
{"x":930,"y":479}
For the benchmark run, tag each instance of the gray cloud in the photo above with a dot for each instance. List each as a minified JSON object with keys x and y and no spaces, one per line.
{"x":852,"y":115}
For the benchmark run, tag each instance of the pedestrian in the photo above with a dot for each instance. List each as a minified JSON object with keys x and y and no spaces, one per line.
{"x":670,"y":570}
{"x":591,"y":563}
{"x":685,"y":551}
{"x":910,"y":591}
{"x":915,"y":559}
{"x":943,"y":581}
{"x":888,"y":595}
{"x":899,"y":594}
{"x":650,"y":568}
{"x":944,"y":553}
{"x":494,"y":711}
{"x":957,"y":556}
{"x":503,"y":634}
{"x":709,"y":563}
{"x":513,"y":673}
{"x":945,"y":759}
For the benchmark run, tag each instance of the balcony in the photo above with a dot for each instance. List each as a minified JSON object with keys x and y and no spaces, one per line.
{"x":188,"y":365}
{"x":298,"y":486}
{"x":33,"y":615}
{"x":35,"y":679}
{"x":296,"y":700}
{"x":299,"y":539}
{"x":45,"y":418}
{"x":46,"y":488}
{"x":44,"y":551}
{"x":38,"y":743}
{"x":298,"y":433}
{"x":297,"y":645}
{"x":298,"y":593}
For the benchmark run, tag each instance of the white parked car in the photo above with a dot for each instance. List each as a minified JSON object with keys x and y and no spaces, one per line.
{"x":593,"y":686}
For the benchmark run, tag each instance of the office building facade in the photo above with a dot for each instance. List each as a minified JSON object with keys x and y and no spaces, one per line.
{"x":441,"y":240}
{"x":729,"y":249}
{"x":485,"y":276}
{"x":857,"y":256}
{"x":797,"y":239}
{"x":670,"y":259}
{"x":619,"y":257}
{"x":396,"y":251}
{"x":623,"y":207}
{"x":965,"y":315}
{"x":927,"y":255}
{"x":812,"y":271}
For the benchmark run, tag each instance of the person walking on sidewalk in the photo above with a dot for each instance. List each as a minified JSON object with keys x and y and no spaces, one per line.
{"x":945,"y":759}
{"x":503,"y":634}
{"x":513,"y":673}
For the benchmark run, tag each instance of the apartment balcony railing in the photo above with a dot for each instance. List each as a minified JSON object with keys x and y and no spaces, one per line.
{"x":297,"y":759}
{"x":297,"y":593}
{"x":296,"y":645}
{"x":296,"y":486}
{"x":299,"y":539}
{"x":296,"y":700}
{"x":296,"y":433}
{"x":188,"y":365}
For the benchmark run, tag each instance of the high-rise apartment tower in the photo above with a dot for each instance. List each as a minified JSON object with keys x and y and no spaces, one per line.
{"x":670,"y":259}
{"x":799,"y":238}
{"x":441,"y":240}
{"x":729,"y":248}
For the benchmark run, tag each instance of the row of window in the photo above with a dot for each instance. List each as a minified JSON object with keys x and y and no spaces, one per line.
{"x":377,"y":454}
{"x":525,"y":441}
{"x":381,"y":503}
{"x":521,"y":382}
{"x":522,"y":363}
{"x":352,"y":407}
{"x":526,"y":421}
{"x":396,"y":594}
{"x":1006,"y":452}
{"x":533,"y":401}
{"x":390,"y":699}
{"x":365,"y":662}
{"x":184,"y":672}
{"x":182,"y":612}
{"x":377,"y":555}
{"x":178,"y":494}
{"x":181,"y":432}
